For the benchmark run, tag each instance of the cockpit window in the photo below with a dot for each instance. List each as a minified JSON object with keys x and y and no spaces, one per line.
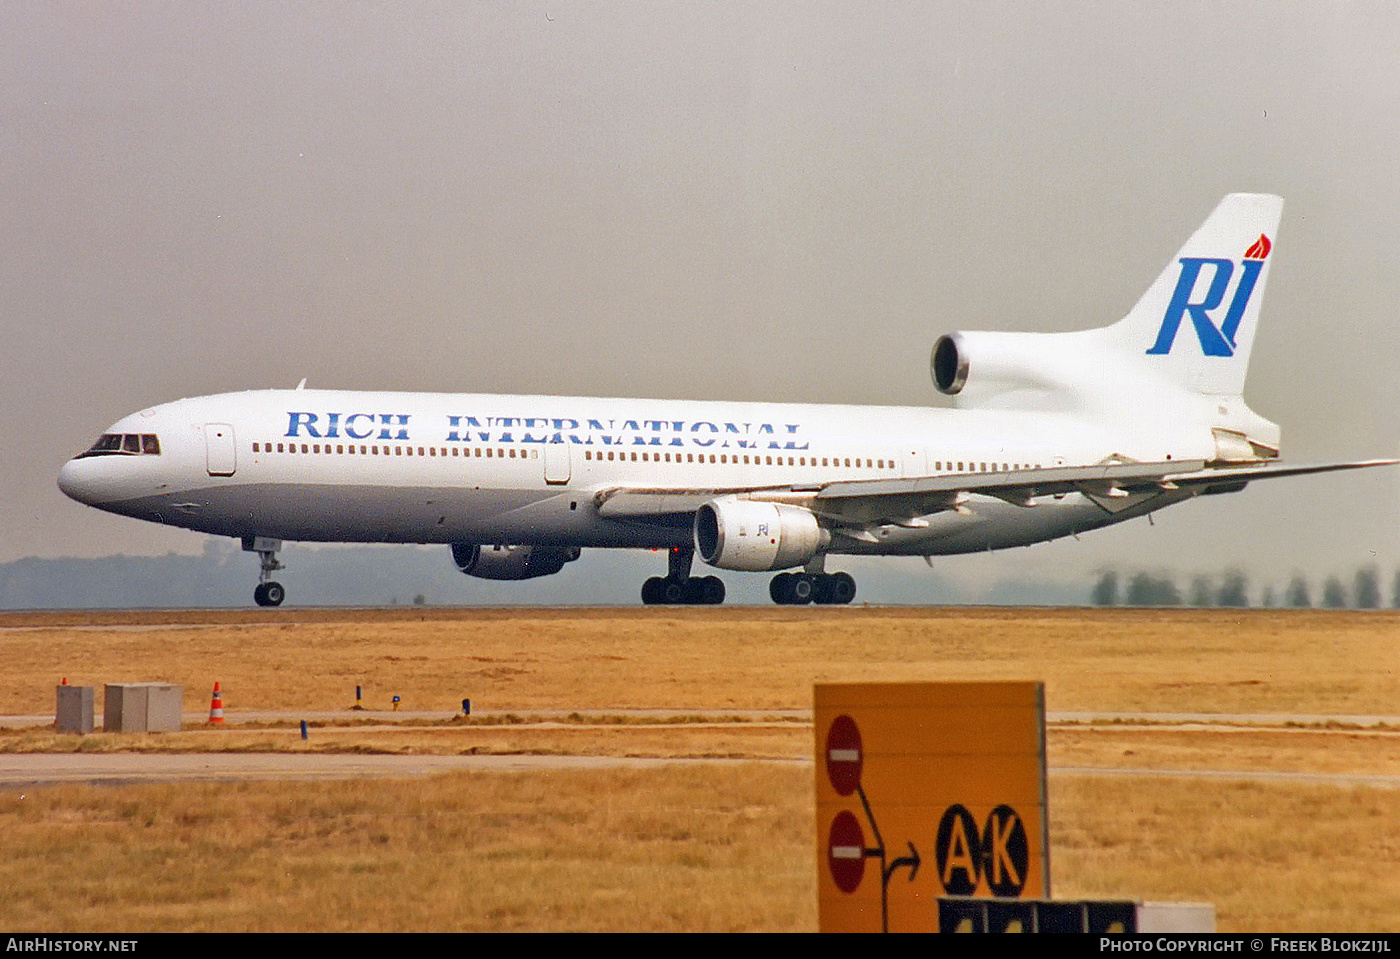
{"x":124,"y":444}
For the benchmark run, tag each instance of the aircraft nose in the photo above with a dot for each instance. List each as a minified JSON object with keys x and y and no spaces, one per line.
{"x":77,"y":480}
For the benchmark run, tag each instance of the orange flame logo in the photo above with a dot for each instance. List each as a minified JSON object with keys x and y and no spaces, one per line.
{"x":1260,"y":249}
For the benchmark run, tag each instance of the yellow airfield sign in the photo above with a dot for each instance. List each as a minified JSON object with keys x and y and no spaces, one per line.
{"x":927,"y":790}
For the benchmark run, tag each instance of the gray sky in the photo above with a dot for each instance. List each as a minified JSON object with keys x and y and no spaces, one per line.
{"x":728,"y":200}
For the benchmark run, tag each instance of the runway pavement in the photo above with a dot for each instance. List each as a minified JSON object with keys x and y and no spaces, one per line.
{"x":21,"y":770}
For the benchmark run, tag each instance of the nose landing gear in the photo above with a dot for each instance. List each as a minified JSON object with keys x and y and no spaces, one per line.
{"x":268,"y":591}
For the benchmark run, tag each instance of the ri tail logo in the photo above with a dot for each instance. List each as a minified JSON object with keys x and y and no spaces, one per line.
{"x":1217,"y":339}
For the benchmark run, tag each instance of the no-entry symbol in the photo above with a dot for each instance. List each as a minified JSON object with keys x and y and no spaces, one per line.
{"x":845,"y":850}
{"x":843,"y":755}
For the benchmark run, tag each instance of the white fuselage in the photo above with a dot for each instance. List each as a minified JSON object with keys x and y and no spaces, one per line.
{"x":335,"y":466}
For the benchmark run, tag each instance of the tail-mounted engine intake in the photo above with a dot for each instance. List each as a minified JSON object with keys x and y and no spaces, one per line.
{"x":948,"y":364}
{"x":742,"y":534}
{"x":511,"y":562}
{"x":1041,"y":371}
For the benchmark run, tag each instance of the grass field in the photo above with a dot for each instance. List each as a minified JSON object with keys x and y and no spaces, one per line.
{"x":725,"y":846}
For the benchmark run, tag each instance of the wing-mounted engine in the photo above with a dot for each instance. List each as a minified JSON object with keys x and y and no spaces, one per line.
{"x":749,"y":535}
{"x":511,"y":562}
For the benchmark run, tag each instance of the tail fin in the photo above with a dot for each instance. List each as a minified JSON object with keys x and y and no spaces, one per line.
{"x":1195,"y":325}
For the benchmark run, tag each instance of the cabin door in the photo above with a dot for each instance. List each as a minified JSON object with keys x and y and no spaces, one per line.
{"x":221,"y":455}
{"x":557,"y":467}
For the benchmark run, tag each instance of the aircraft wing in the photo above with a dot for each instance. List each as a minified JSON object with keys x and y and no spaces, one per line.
{"x":902,"y":501}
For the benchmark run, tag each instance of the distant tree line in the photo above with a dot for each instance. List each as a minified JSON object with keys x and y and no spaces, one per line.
{"x":1231,"y":589}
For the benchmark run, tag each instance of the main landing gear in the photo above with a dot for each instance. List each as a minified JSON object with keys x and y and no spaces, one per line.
{"x":678,"y":587}
{"x":798,"y":589}
{"x":268,"y":592}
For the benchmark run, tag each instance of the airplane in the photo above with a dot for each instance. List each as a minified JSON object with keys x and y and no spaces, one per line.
{"x":1049,"y":435}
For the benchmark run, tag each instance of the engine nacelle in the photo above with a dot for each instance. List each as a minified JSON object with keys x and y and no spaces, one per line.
{"x":511,"y":562}
{"x":1040,"y":371}
{"x":742,"y":534}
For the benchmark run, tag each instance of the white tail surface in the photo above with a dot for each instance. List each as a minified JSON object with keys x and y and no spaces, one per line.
{"x":1195,"y":325}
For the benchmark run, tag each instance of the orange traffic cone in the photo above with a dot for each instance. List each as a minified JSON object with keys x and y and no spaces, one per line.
{"x":216,"y":707}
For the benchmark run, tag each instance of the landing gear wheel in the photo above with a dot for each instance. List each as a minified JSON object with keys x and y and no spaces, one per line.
{"x":711,"y":590}
{"x":841,"y":588}
{"x":778,"y":588}
{"x":687,"y":591}
{"x":798,"y":589}
{"x":675,"y":591}
{"x":651,"y":591}
{"x":802,"y":589}
{"x":269,"y":594}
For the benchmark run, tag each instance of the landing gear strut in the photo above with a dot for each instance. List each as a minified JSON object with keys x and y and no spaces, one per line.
{"x":678,"y":587}
{"x":268,"y":591}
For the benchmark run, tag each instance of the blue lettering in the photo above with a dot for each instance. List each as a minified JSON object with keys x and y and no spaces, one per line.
{"x":1212,"y":342}
{"x":792,"y":445}
{"x":390,"y":419}
{"x":695,"y":427}
{"x":350,"y":427}
{"x":296,"y":422}
{"x":1252,"y":269}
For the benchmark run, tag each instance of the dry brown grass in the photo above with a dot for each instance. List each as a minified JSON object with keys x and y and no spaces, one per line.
{"x":1272,"y":858}
{"x":709,"y":847}
{"x":1286,"y":661}
{"x":597,"y":851}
